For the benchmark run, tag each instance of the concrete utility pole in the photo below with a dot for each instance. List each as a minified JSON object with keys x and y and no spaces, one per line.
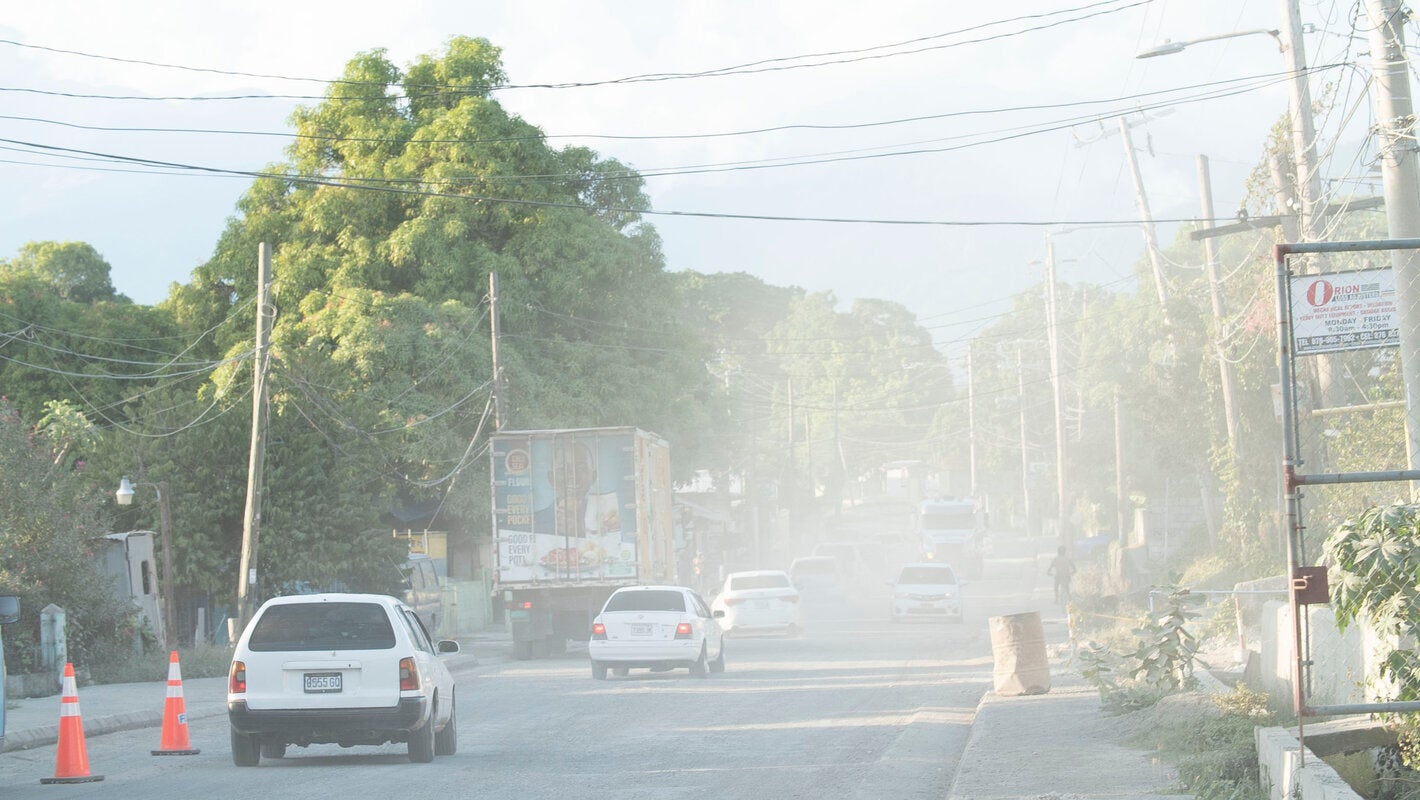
{"x":1303,"y":126}
{"x":1052,"y":318}
{"x":1395,"y":126}
{"x":1151,"y":242}
{"x":1225,"y":368}
{"x":1120,"y":501}
{"x":251,"y":517}
{"x":970,"y":421}
{"x":1025,"y":446}
{"x":498,"y":409}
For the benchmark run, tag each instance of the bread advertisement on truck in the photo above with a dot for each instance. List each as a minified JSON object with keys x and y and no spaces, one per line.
{"x":564,"y":506}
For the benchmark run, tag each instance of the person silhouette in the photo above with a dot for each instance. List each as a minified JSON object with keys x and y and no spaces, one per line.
{"x":1063,"y":569}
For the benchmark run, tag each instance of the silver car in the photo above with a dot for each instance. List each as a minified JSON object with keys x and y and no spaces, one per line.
{"x":347,"y":669}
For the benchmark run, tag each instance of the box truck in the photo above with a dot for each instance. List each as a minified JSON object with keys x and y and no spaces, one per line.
{"x":577,"y":514}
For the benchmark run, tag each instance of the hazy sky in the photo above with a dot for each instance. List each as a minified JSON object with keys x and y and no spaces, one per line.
{"x":1006,"y":101}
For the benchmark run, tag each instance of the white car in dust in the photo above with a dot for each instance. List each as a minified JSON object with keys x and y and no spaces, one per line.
{"x":926,"y":590}
{"x":659,"y":628}
{"x":759,"y":601}
{"x":347,"y":669}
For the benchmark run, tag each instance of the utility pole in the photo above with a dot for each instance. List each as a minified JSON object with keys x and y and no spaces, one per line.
{"x":1121,"y":534}
{"x":1053,"y":328}
{"x":165,"y":525}
{"x":789,"y":478}
{"x":971,"y":421}
{"x":498,"y":410}
{"x":1395,"y":125}
{"x":1225,"y":368}
{"x":1025,"y":447}
{"x":1151,"y":242}
{"x":1303,"y":127}
{"x":251,"y":517}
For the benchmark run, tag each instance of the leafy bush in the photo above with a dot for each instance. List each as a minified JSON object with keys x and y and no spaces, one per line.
{"x":1159,"y":663}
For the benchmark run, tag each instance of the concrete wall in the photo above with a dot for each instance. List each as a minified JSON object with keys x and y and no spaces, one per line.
{"x":1283,"y":776}
{"x":1344,"y":665}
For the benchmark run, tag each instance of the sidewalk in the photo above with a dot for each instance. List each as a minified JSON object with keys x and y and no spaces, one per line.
{"x":108,"y":708}
{"x":1054,"y":745}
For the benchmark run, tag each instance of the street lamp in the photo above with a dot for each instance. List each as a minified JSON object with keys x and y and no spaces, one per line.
{"x":1168,"y":47}
{"x":124,"y":495}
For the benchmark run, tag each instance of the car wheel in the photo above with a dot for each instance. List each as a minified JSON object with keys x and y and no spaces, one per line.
{"x":421,"y":741}
{"x":246,"y":750}
{"x":700,"y":669}
{"x":446,"y":741}
{"x":621,"y":672}
{"x":718,"y":665}
{"x":273,"y":749}
{"x":599,"y":670}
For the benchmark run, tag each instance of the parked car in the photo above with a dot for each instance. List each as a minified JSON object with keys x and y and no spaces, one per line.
{"x":348,"y":669}
{"x":926,"y":590}
{"x":762,"y":600}
{"x":659,"y":628}
{"x":421,"y":590}
{"x":819,"y":578}
{"x":861,"y":564}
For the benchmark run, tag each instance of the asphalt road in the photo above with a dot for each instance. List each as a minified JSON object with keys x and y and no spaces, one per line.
{"x":856,"y":707}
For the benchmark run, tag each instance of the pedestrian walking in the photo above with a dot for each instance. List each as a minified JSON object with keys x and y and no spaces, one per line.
{"x":1063,"y":569}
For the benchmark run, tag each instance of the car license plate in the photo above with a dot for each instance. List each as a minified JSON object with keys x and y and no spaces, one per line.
{"x":322,"y":682}
{"x":641,"y":629}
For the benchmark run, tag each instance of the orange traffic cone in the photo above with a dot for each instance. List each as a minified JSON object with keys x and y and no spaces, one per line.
{"x":71,"y":762}
{"x":175,"y":742}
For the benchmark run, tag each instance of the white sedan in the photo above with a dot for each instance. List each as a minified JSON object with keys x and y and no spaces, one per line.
{"x":762,"y":600}
{"x":659,"y":628}
{"x":926,"y":590}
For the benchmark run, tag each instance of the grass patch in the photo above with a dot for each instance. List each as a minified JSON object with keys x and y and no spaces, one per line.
{"x":201,"y":661}
{"x":1209,"y":741}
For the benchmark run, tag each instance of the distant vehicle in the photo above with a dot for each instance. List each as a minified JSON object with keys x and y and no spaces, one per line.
{"x":659,"y":628}
{"x":347,"y":669}
{"x":9,"y":612}
{"x":421,"y":590}
{"x":761,"y":600}
{"x":927,"y":589}
{"x":954,"y":532}
{"x":862,"y":563}
{"x":818,"y":578}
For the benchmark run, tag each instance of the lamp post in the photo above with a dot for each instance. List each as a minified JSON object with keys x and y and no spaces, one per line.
{"x":124,"y":496}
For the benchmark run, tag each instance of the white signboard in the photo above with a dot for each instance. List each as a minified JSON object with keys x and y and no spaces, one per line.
{"x":1344,"y":311}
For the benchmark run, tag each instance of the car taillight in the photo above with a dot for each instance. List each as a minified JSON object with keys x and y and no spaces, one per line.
{"x":408,"y":675}
{"x":237,"y":678}
{"x":729,"y":601}
{"x":682,"y":631}
{"x":598,"y":631}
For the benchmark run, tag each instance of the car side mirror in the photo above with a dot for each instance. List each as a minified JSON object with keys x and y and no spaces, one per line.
{"x":717,"y":614}
{"x":448,"y":647}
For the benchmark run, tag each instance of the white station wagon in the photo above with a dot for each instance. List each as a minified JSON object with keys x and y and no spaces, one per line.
{"x":347,"y":669}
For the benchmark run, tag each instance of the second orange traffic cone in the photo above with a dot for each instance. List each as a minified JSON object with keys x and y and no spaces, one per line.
{"x":175,"y":741}
{"x":71,"y":761}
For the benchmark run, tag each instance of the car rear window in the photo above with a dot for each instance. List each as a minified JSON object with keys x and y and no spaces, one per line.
{"x":927,"y":575}
{"x":323,"y":626}
{"x":759,"y":582}
{"x":649,"y":600}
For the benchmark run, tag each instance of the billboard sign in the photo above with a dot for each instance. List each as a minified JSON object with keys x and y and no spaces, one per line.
{"x":1344,"y":311}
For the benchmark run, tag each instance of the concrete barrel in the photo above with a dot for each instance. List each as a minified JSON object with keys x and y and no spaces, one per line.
{"x":1018,"y":647}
